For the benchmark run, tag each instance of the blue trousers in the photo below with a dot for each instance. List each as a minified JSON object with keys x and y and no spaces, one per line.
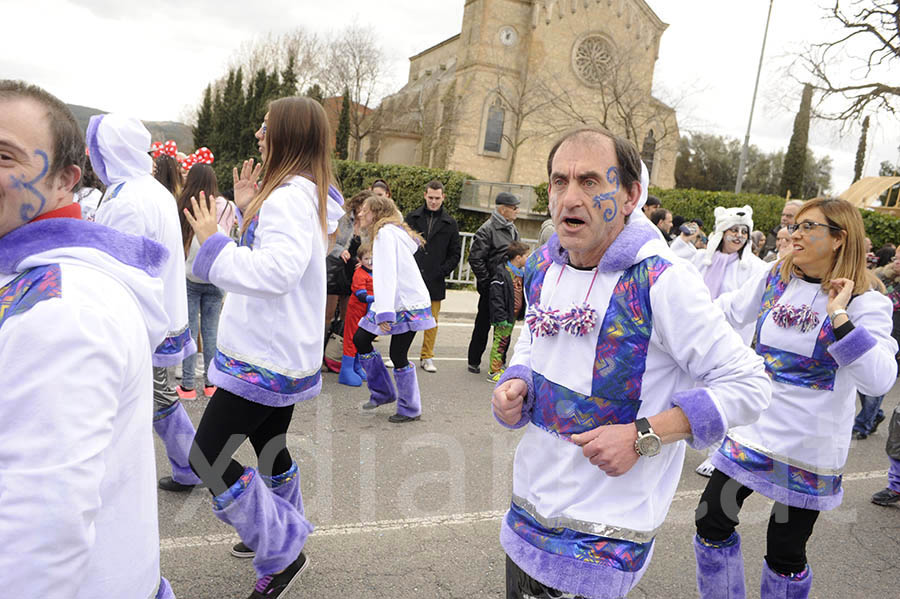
{"x":204,"y":306}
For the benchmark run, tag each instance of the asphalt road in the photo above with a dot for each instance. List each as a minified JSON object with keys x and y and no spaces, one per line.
{"x":413,"y":510}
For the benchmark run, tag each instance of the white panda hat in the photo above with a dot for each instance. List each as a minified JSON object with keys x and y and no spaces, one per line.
{"x":725,"y":219}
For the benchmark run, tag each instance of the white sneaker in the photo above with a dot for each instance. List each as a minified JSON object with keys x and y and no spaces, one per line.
{"x":428,"y":365}
{"x":706,"y":468}
{"x":387,"y":362}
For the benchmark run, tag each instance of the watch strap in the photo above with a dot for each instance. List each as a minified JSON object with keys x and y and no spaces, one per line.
{"x":643,"y":426}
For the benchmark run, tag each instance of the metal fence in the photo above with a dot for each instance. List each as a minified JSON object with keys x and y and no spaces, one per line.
{"x":462,"y":274}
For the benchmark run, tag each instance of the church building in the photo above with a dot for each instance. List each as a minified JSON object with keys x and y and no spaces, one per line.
{"x":492,"y":100}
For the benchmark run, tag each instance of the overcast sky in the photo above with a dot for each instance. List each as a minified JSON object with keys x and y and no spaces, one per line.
{"x":153,"y":59}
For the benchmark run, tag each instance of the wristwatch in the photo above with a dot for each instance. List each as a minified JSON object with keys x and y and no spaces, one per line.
{"x":648,"y":443}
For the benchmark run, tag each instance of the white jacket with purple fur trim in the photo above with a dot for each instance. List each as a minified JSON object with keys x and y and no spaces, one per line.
{"x":81,"y":309}
{"x":273,"y":319}
{"x":658,"y":336}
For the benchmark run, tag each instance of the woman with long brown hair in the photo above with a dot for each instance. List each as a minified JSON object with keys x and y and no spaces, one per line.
{"x":402,"y":306}
{"x":269,"y":352}
{"x":168,"y":172}
{"x":204,"y":299}
{"x":823,"y":331}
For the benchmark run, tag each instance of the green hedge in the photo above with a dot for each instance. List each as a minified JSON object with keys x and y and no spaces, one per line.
{"x":408,"y":186}
{"x":696,"y":203}
{"x":881,"y":228}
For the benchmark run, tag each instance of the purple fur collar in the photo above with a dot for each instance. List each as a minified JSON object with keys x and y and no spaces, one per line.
{"x":44,"y":235}
{"x":619,"y":256}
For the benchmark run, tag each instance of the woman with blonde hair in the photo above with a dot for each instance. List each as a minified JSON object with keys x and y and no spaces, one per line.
{"x":269,"y":350}
{"x":823,"y":330}
{"x":402,"y":306}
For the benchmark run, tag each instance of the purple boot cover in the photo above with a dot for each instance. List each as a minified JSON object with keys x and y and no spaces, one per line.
{"x":377,"y":378}
{"x":165,"y":590}
{"x":409,"y":402}
{"x":264,"y":521}
{"x":287,"y":486}
{"x":177,"y":433}
{"x":778,"y":586}
{"x":720,"y":568}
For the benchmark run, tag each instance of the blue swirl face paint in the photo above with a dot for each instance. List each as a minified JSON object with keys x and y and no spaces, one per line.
{"x":609,"y":213}
{"x":28,"y":211}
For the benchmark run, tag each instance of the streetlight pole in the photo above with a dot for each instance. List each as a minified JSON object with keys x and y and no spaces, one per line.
{"x":743,"y":163}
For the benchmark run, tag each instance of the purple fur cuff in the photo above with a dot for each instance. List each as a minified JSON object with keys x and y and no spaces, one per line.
{"x":166,"y":360}
{"x":773,"y":491}
{"x":707,"y":425}
{"x":519,"y":372}
{"x":385,"y":317}
{"x":256,"y":394}
{"x":850,"y":348}
{"x":165,"y":590}
{"x":566,"y":574}
{"x":208,"y":253}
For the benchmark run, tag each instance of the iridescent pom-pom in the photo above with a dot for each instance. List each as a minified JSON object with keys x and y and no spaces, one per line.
{"x":541,"y":322}
{"x":580,"y":320}
{"x":785,"y":316}
{"x":807,"y":318}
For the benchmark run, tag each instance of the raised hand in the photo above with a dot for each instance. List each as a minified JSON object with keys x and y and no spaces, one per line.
{"x":203,"y":219}
{"x":246,"y":183}
{"x":839,"y":293}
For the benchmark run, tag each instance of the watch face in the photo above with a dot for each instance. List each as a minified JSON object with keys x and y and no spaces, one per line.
{"x":508,"y":36}
{"x":649,"y":445}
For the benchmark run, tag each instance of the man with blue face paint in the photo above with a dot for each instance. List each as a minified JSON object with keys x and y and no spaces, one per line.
{"x":81,"y":310}
{"x":624,"y":356}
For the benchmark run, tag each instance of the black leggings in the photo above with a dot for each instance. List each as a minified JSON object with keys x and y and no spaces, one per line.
{"x":226,"y":423}
{"x":789,"y":527}
{"x":400,"y":343}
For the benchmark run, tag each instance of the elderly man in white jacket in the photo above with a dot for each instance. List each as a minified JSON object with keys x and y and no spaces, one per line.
{"x":604,"y":380}
{"x":138,"y":204}
{"x":80,"y":314}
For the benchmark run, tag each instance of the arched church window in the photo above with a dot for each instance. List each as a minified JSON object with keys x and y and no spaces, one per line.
{"x":648,"y":150}
{"x":493,"y":132}
{"x":591,"y":58}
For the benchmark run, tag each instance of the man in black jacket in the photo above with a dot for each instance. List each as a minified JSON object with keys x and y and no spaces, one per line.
{"x":437,"y":258}
{"x":488,"y":250}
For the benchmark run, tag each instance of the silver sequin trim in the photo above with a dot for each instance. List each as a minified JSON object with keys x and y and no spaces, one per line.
{"x":591,"y":528}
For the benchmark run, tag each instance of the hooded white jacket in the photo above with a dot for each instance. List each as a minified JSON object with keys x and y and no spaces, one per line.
{"x":80,"y":314}
{"x":401,"y":296}
{"x":272,"y":323}
{"x":138,"y":204}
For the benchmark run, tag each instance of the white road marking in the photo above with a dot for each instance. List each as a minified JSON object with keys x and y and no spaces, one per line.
{"x":409,"y":523}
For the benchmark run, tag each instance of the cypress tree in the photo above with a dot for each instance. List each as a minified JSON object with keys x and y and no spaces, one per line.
{"x":315,"y":92}
{"x":795,"y":158}
{"x":289,"y":77}
{"x":861,"y":151}
{"x":343,"y":130}
{"x":203,"y":128}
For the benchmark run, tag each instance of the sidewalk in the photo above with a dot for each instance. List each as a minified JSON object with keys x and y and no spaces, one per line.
{"x":459,"y":305}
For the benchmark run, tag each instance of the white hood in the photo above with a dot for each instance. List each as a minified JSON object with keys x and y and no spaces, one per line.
{"x":119,"y":148}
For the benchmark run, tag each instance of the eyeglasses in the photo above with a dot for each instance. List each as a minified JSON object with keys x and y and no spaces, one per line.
{"x":263,"y":129}
{"x":807,"y":227}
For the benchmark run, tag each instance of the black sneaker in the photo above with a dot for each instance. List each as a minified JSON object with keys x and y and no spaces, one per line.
{"x":241,"y":550}
{"x":167,"y":483}
{"x":879,"y":418}
{"x":474,"y":368}
{"x":398,"y":418}
{"x":275,"y":585}
{"x":886,"y":497}
{"x":858,"y":436}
